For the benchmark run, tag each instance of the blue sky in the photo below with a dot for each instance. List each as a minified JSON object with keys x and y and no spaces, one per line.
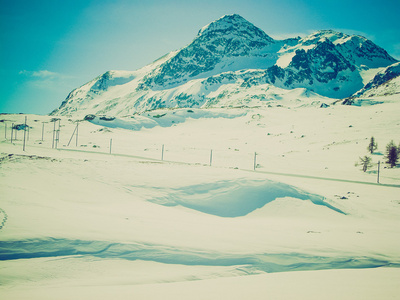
{"x":49,"y":47}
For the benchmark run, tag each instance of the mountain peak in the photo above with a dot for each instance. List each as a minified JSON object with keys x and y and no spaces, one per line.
{"x":322,"y":35}
{"x":225,"y":21}
{"x":222,"y":45}
{"x":233,"y":24}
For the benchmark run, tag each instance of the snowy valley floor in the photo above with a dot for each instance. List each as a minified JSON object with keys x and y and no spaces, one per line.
{"x":80,"y":223}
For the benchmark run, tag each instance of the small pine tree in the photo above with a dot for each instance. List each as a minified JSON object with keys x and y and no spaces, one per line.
{"x":392,"y":154}
{"x":372,"y":145}
{"x":365,"y":163}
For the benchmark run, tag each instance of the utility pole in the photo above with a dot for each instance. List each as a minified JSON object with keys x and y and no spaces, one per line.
{"x":379,"y":166}
{"x":12,"y":131}
{"x":58,"y":133}
{"x":75,"y":131}
{"x":210,"y":157}
{"x":54,"y":132}
{"x":77,"y":125}
{"x":5,"y":130}
{"x":255,"y":160}
{"x":59,"y":129}
{"x":72,"y":136}
{"x":162,"y":152}
{"x":23,"y":148}
{"x":42,"y":130}
{"x":110,"y":145}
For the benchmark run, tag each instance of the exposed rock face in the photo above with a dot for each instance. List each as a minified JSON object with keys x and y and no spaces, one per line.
{"x":385,"y":83}
{"x":389,"y":73}
{"x":224,"y":39}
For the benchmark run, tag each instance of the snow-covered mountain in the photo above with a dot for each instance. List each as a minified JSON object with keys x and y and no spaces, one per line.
{"x":385,"y":83}
{"x":231,"y":62}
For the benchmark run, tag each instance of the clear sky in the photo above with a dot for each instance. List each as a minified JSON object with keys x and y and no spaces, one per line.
{"x":49,"y":47}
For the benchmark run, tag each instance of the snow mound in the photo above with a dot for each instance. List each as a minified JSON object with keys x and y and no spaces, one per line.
{"x":235,"y":198}
{"x":163,"y":118}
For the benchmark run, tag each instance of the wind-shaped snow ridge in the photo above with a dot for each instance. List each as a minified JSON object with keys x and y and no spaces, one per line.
{"x":235,"y":199}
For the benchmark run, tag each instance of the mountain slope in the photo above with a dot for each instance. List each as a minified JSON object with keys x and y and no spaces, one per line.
{"x":385,"y":83}
{"x":231,"y":62}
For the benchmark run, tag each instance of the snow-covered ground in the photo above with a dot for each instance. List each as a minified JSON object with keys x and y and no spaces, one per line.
{"x":79,"y":222}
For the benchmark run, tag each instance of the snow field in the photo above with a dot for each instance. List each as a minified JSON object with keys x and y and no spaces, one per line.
{"x":87,"y":224}
{"x":280,"y":145}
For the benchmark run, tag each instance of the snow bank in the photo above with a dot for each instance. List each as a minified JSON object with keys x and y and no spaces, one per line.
{"x":163,"y":118}
{"x":235,"y":198}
